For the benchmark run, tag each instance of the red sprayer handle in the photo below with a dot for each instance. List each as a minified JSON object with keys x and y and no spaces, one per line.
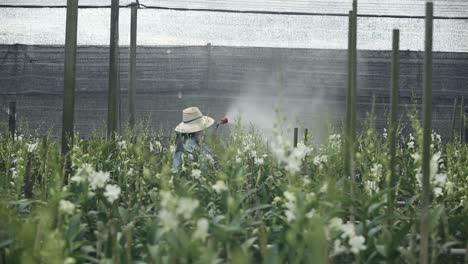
{"x":223,"y":120}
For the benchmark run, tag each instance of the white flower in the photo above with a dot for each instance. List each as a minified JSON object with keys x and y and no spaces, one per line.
{"x":316,"y":160}
{"x":320,"y":159}
{"x":348,"y":230}
{"x":168,"y":220}
{"x":98,"y":179}
{"x":449,"y":187}
{"x":196,"y":173}
{"x":437,"y":191}
{"x":290,"y":215}
{"x":324,"y":158}
{"x":289,"y":196}
{"x":290,"y":205}
{"x":202,"y":229}
{"x":435,"y":136}
{"x":310,"y":214}
{"x":112,"y":192}
{"x":376,"y":171}
{"x":156,"y":146}
{"x":335,"y":140}
{"x":167,"y":200}
{"x":338,"y":248}
{"x":18,"y":137}
{"x":14,"y":173}
{"x":276,"y":200}
{"x":83,"y":172}
{"x":293,"y":165}
{"x":122,"y":144}
{"x":416,"y":157}
{"x":440,"y":179}
{"x":418,"y":176}
{"x":335,"y":223}
{"x":434,"y":164}
{"x":253,"y":153}
{"x":69,"y":260}
{"x":410,"y":145}
{"x":32,"y":147}
{"x":324,"y":188}
{"x":385,"y":133}
{"x":186,"y":207}
{"x":357,"y":244}
{"x":219,"y":186}
{"x":66,"y":207}
{"x":258,"y":161}
{"x":238,"y":159}
{"x":371,"y":187}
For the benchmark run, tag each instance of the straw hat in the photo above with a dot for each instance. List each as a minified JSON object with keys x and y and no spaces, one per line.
{"x":193,"y":121}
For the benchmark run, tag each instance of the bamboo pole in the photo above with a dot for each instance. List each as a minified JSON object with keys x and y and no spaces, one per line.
{"x":28,"y":182}
{"x":353,"y":113}
{"x":354,"y":80}
{"x":133,"y":50}
{"x":69,"y":85}
{"x":426,"y":155}
{"x":209,"y":70}
{"x":393,"y":121}
{"x":113,"y":95}
{"x":462,"y":120}
{"x":306,"y":135}
{"x":454,"y":117}
{"x":347,"y":149}
{"x":12,"y":119}
{"x":296,"y":132}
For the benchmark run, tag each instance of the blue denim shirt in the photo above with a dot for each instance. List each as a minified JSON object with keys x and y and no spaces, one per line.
{"x":191,"y":149}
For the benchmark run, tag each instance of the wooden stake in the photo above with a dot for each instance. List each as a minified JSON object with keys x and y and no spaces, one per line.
{"x":113,"y":95}
{"x":12,"y":119}
{"x":133,"y":49}
{"x":69,"y":85}
{"x":353,"y":94}
{"x":462,"y":120}
{"x":454,"y":117}
{"x":393,"y":121}
{"x":426,"y":155}
{"x":28,"y":182}
{"x":296,"y":131}
{"x":306,"y":135}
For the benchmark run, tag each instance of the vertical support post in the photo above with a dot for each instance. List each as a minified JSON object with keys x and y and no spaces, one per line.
{"x":12,"y":119}
{"x":209,"y":69}
{"x":306,"y":135}
{"x":426,"y":155}
{"x":454,"y":117}
{"x":465,"y":133}
{"x":347,"y":146}
{"x":350,"y":133}
{"x":69,"y":86}
{"x":28,"y":181}
{"x":113,"y":100}
{"x":462,"y":119}
{"x":354,"y":79}
{"x":132,"y":71}
{"x":393,"y":121}
{"x":296,"y":131}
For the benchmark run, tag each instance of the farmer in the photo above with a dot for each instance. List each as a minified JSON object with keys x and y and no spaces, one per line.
{"x":189,"y":136}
